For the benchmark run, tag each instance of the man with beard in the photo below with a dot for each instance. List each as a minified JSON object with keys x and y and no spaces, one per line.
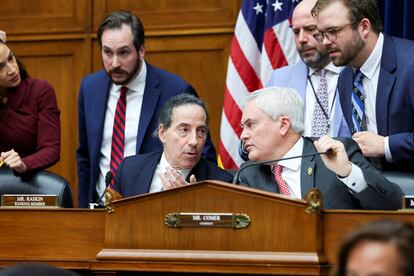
{"x":119,"y":106}
{"x":314,"y":77}
{"x":323,"y":113}
{"x":377,"y":88}
{"x":272,"y":124}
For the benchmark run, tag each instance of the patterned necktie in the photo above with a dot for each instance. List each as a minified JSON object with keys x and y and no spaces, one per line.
{"x":358,"y":106}
{"x":283,"y":187}
{"x":320,"y":121}
{"x":118,"y":134}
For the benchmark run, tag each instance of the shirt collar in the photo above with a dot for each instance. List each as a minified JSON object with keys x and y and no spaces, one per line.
{"x":329,"y":68}
{"x":164,"y":164}
{"x":136,"y":82}
{"x":296,"y":150}
{"x":371,"y":64}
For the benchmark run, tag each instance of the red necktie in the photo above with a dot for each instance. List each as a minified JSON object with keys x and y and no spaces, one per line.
{"x":283,"y":187}
{"x":118,"y":134}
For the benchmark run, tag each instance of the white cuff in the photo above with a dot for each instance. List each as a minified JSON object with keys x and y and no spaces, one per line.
{"x":355,"y":180}
{"x":387,"y":150}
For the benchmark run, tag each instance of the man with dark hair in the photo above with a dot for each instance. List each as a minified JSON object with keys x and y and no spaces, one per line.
{"x":379,"y":248}
{"x":119,"y":106}
{"x":377,"y":88}
{"x":182,"y":129}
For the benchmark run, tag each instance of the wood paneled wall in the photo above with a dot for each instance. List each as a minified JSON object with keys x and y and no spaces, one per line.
{"x":56,"y":40}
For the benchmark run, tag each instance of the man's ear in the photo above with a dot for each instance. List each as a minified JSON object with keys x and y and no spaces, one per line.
{"x":161,"y":133}
{"x":141,"y":51}
{"x":365,"y":27}
{"x":284,"y":125}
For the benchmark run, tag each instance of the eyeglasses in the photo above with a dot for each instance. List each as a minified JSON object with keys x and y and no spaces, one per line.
{"x":332,"y":33}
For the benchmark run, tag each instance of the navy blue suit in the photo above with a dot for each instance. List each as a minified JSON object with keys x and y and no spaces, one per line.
{"x":395,"y":97}
{"x":135,"y":173}
{"x":160,"y":86}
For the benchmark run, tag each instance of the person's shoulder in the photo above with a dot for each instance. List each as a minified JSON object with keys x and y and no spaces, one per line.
{"x":33,"y":82}
{"x":297,"y":66}
{"x":142,"y":158}
{"x":215,"y":170}
{"x":95,"y":76}
{"x":165,"y":75}
{"x":37,"y":87}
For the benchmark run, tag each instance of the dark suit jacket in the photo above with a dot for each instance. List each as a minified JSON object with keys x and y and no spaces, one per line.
{"x":380,"y":193}
{"x":135,"y":173}
{"x":160,"y":86}
{"x":395,"y":97}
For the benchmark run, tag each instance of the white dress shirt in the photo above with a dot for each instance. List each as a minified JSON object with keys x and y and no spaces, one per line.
{"x":332,"y":74}
{"x":371,"y":70}
{"x":162,"y":166}
{"x":292,"y":173}
{"x":134,"y":97}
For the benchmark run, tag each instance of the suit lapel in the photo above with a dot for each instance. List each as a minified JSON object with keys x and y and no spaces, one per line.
{"x":307,"y":171}
{"x":385,"y":84}
{"x":299,"y":80}
{"x":97,"y":109}
{"x":149,"y":104}
{"x":146,"y":173}
{"x":345,"y":94}
{"x":200,"y":171}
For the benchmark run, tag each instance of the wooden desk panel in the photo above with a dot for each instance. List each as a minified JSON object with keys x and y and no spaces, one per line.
{"x":133,"y":238}
{"x":63,"y":236}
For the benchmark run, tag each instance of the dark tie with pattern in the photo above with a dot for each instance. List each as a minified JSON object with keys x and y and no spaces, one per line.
{"x":358,"y":105}
{"x":118,"y":133}
{"x":320,"y":123}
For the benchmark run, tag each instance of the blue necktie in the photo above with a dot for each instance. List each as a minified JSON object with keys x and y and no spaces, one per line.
{"x":358,"y":106}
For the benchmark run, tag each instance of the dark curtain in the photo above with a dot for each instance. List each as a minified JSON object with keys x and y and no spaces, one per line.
{"x":397,"y":17}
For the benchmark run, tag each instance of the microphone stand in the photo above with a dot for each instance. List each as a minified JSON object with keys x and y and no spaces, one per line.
{"x":254,"y":163}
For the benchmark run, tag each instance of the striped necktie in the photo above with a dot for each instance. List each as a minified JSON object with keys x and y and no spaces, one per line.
{"x":358,"y":106}
{"x":283,"y":187}
{"x":118,"y":134}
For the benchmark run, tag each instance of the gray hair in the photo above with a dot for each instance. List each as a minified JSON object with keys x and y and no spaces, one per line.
{"x":280,"y":101}
{"x":166,"y":113}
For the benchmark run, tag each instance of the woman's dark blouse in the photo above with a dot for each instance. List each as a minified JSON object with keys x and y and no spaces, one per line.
{"x":30,"y":124}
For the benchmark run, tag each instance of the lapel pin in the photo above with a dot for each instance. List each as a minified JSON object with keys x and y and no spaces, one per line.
{"x":310,"y":171}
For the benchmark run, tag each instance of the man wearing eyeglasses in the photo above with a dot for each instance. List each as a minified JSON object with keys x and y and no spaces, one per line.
{"x":377,"y":88}
{"x":323,"y":113}
{"x":314,"y":77}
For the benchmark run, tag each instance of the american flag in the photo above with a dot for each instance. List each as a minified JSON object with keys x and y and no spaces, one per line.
{"x":262,"y":42}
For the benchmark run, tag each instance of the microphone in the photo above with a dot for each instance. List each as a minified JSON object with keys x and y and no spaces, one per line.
{"x":108,"y":180}
{"x":246,"y":165}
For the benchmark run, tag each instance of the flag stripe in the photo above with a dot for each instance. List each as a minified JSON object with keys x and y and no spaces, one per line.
{"x":262,"y":41}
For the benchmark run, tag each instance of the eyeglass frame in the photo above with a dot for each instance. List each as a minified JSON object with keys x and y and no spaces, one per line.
{"x":332,"y":32}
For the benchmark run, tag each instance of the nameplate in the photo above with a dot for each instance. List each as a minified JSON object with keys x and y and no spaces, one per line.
{"x":207,"y":220}
{"x":408,"y":202}
{"x":29,"y":201}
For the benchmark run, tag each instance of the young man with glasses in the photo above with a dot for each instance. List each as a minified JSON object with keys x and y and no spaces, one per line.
{"x":377,"y":88}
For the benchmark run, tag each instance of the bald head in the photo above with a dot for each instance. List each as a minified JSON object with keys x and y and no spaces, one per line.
{"x":304,"y":25}
{"x":305,"y":5}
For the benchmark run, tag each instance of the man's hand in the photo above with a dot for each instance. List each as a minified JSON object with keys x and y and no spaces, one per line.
{"x":13,"y":160}
{"x":371,"y":144}
{"x":172,"y":179}
{"x":337,"y":161}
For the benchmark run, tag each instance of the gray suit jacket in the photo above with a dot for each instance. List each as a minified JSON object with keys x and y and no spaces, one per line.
{"x":380,"y":193}
{"x":296,"y":76}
